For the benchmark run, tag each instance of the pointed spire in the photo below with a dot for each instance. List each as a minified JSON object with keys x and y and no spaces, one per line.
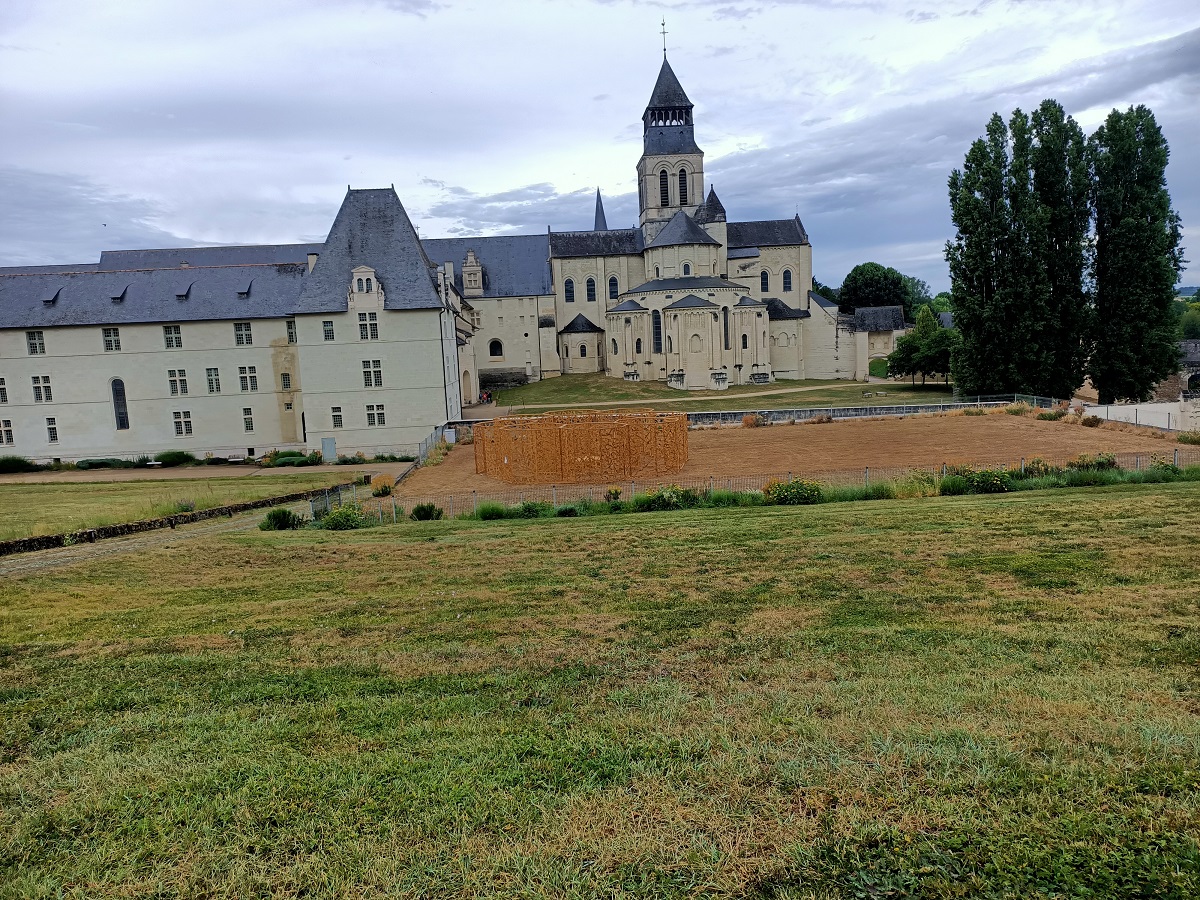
{"x":712,"y":210}
{"x":601,"y":223}
{"x":668,"y":92}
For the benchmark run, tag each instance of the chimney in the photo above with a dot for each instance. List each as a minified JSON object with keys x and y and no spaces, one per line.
{"x":312,"y":260}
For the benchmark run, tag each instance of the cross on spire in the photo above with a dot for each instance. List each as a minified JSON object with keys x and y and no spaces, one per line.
{"x":664,"y":37}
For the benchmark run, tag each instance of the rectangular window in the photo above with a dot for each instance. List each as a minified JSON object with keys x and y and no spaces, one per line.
{"x":241,"y":334}
{"x":52,"y":430}
{"x":372,"y":373}
{"x":172,"y":337}
{"x":336,"y":413}
{"x":214,"y":381}
{"x":37,"y":342}
{"x":248,"y":418}
{"x":287,"y":406}
{"x":6,"y":432}
{"x":178,"y":381}
{"x":247,"y":378}
{"x":3,"y":392}
{"x":112,"y":339}
{"x":327,"y":326}
{"x":291,"y":330}
{"x":368,"y":326}
{"x":183,"y":423}
{"x":375,"y":414}
{"x":285,"y":381}
{"x":41,"y":389}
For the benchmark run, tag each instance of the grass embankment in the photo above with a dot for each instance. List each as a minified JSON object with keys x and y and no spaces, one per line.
{"x":28,"y":509}
{"x":599,"y":391}
{"x":967,"y":696}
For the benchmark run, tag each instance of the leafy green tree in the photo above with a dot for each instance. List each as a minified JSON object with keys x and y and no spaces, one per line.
{"x":1138,"y":257}
{"x":1189,"y":325}
{"x":824,"y":290}
{"x":870,"y":284}
{"x":941,"y":302}
{"x":926,"y":350}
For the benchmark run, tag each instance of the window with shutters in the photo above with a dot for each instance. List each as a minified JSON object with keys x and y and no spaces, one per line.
{"x":248,"y":378}
{"x":112,"y":339}
{"x":214,"y":381}
{"x":177,"y":379}
{"x":242,"y":335}
{"x":41,"y":389}
{"x":172,"y":337}
{"x":183,"y":422}
{"x":372,"y":373}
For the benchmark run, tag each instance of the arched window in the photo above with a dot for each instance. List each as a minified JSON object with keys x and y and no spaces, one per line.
{"x":495,"y":349}
{"x":656,"y":321}
{"x":664,"y":189}
{"x":613,"y":291}
{"x":745,"y":342}
{"x":695,"y":344}
{"x":637,"y":346}
{"x":687,"y":268}
{"x":368,"y":285}
{"x":569,"y":290}
{"x":591,"y":290}
{"x":656,"y":273}
{"x":120,"y":407}
{"x":764,"y":281}
{"x":670,"y":348}
{"x":725,"y":326}
{"x":615,"y":350}
{"x":683,"y":193}
{"x":360,"y":284}
{"x":582,"y":351}
{"x":787,"y":280}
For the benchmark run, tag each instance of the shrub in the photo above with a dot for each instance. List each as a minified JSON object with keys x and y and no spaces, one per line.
{"x":671,"y":496}
{"x":1188,"y":437}
{"x":281,"y":519}
{"x":143,"y":461}
{"x":1164,"y":469}
{"x":209,"y":460}
{"x":1052,"y":415}
{"x":613,"y":494}
{"x":426,"y":512}
{"x":953,"y":485}
{"x":792,"y":493}
{"x":531,"y":509}
{"x":175,"y":458}
{"x":489,"y":511}
{"x":975,"y":411}
{"x":356,"y":460}
{"x":106,"y":463}
{"x":989,"y":481}
{"x":1018,"y":409}
{"x":185,"y":506}
{"x":12,"y":464}
{"x":880,"y":490}
{"x":344,"y":518}
{"x":381,"y":485}
{"x":1091,"y":421}
{"x":566,"y":512}
{"x":1101,"y":462}
{"x":437,"y":453}
{"x":1038,"y":468}
{"x":1091,"y":477}
{"x":753,"y":420}
{"x":821,"y":419}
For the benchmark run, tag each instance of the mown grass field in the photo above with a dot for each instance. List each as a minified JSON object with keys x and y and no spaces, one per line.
{"x":28,"y":509}
{"x":598,"y":391}
{"x":950,"y":697}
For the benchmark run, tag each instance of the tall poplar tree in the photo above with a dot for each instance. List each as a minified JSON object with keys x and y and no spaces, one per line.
{"x":1138,"y":257}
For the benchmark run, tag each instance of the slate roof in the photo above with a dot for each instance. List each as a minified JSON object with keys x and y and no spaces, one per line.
{"x":777,"y":311}
{"x":681,"y":231}
{"x":750,"y":301}
{"x":664,"y":140}
{"x":628,"y":306}
{"x":601,"y":222}
{"x":691,"y":301}
{"x":692,"y":282}
{"x":771,"y":233}
{"x":86,"y":298}
{"x":581,"y":324}
{"x":39,"y":270}
{"x":174,"y":257}
{"x":712,"y":210}
{"x":615,"y":242}
{"x":1191,"y":352}
{"x":822,"y":302}
{"x":371,"y":229}
{"x":668,"y":93}
{"x":946,"y":319}
{"x":879,"y":318}
{"x":513,"y":265}
{"x":743,"y":252}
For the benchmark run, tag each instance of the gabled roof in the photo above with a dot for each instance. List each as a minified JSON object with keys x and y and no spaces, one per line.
{"x":668,"y":93}
{"x":681,"y":231}
{"x":822,"y":302}
{"x":628,"y":306}
{"x":690,"y":283}
{"x":879,"y":318}
{"x":777,"y":310}
{"x":770,"y":233}
{"x":615,"y":242}
{"x":691,"y":301}
{"x":371,"y":229}
{"x":601,"y":222}
{"x":516,"y":265}
{"x":581,"y":324}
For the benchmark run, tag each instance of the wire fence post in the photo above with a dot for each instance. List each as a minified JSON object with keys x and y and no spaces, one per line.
{"x":866,"y":476}
{"x":475,"y":494}
{"x":1176,"y":456}
{"x":452,"y":506}
{"x":393,"y":510}
{"x":1022,"y":465}
{"x":553,"y":496}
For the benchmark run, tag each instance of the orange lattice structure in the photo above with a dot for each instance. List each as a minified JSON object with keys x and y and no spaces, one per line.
{"x":581,"y":447}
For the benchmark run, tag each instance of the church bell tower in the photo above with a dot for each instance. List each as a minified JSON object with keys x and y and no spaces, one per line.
{"x":671,"y":170}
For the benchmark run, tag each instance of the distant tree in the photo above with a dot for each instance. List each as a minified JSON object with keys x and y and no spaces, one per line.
{"x":870,"y":284}
{"x":918,"y":295}
{"x":941,"y":302}
{"x":1189,"y":325}
{"x":1138,"y":257}
{"x":824,"y":290}
{"x":926,"y":350}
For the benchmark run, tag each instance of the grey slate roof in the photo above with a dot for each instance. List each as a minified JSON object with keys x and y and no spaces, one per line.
{"x":601,"y":222}
{"x":690,"y":283}
{"x":946,"y":319}
{"x":39,"y":270}
{"x":174,"y":257}
{"x":371,"y":229}
{"x":581,"y":324}
{"x":513,"y":265}
{"x":691,"y":301}
{"x":86,"y":298}
{"x":879,"y":318}
{"x":750,"y":301}
{"x":771,"y":233}
{"x":822,"y":302}
{"x":712,"y":210}
{"x":1191,"y":352}
{"x":668,"y":92}
{"x":743,"y":252}
{"x":628,"y":306}
{"x":664,"y":140}
{"x":681,"y":231}
{"x":777,"y":311}
{"x":616,"y":242}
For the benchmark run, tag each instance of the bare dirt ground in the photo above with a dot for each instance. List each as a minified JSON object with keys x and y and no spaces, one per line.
{"x":882,"y":444}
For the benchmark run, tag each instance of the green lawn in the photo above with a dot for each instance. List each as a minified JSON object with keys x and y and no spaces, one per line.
{"x":951,"y":697}
{"x":30,"y":509}
{"x":597,"y":391}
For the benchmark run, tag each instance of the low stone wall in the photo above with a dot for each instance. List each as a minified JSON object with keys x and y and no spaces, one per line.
{"x":91,"y":535}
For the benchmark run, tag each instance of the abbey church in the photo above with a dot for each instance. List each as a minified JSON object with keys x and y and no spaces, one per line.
{"x":374,"y":338}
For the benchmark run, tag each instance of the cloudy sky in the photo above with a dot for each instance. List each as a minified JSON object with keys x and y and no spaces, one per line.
{"x":151,"y":123}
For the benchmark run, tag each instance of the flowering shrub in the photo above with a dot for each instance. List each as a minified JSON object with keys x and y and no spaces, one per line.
{"x":989,"y":481}
{"x":792,"y":493}
{"x":381,"y":486}
{"x":344,"y":518}
{"x":1101,"y":462}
